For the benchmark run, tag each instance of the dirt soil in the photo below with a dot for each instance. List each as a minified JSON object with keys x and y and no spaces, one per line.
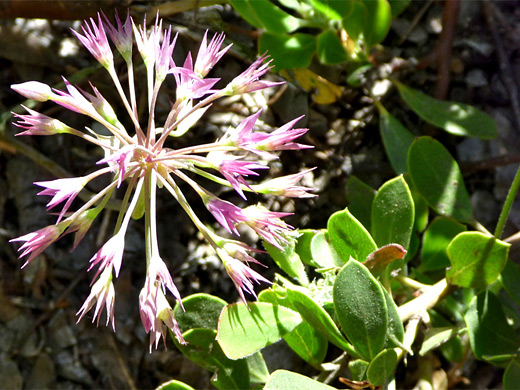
{"x":41,"y":346}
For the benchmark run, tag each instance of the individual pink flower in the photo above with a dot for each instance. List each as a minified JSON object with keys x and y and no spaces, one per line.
{"x":61,"y":190}
{"x":209,"y":55}
{"x":102,"y":294}
{"x":122,"y":158}
{"x":157,"y":316}
{"x":280,"y":139}
{"x":163,"y":55}
{"x":148,"y":44}
{"x":226,"y":213}
{"x":241,"y":275}
{"x":121,"y":36}
{"x":248,"y":81}
{"x":34,"y":90}
{"x":36,"y":242}
{"x":101,"y":105}
{"x":267,"y":224}
{"x":110,"y":254}
{"x":189,"y":85}
{"x":95,"y":40}
{"x":233,"y":169}
{"x":40,"y":124}
{"x":285,"y":186}
{"x":74,"y":100}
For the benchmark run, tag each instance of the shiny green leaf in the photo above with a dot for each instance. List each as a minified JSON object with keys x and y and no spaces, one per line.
{"x":318,"y":318}
{"x":203,"y":350}
{"x":511,"y":378}
{"x":243,"y":330}
{"x":378,"y":21}
{"x":200,"y":311}
{"x":360,"y":196}
{"x":287,"y":380}
{"x":490,"y":334}
{"x":396,"y":140}
{"x":477,"y":259}
{"x":288,"y":51}
{"x":330,"y":48}
{"x":435,"y":242}
{"x":382,"y":367}
{"x":308,"y":343}
{"x":437,"y":177}
{"x":174,"y":385}
{"x":361,"y":309}
{"x":393,"y":213}
{"x":266,"y":15}
{"x":456,"y":118}
{"x":349,"y":237}
{"x":323,"y":253}
{"x":288,"y":260}
{"x":510,"y":277}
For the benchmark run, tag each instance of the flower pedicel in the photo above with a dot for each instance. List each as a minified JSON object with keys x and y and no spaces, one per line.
{"x":139,"y":157}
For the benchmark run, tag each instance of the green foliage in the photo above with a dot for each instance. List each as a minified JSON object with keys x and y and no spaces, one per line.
{"x":437,"y":177}
{"x":407,"y":253}
{"x":348,"y":29}
{"x":455,"y":118}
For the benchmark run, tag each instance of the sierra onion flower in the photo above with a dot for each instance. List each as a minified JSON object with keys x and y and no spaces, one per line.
{"x":141,"y":158}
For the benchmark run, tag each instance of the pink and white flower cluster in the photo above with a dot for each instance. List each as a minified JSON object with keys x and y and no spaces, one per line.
{"x":139,"y":157}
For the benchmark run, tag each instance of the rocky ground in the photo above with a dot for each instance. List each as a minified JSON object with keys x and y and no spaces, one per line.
{"x":41,"y":346}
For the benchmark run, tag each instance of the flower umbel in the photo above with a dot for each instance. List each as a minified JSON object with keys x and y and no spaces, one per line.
{"x":139,"y":157}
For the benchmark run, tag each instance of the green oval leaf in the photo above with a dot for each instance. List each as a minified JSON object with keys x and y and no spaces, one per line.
{"x":349,"y":237}
{"x":266,"y":15}
{"x":288,"y":260}
{"x":323,"y":253}
{"x":287,"y":380}
{"x":174,"y":385}
{"x":398,"y":6}
{"x":490,"y":334}
{"x":455,"y":118}
{"x":288,"y":51}
{"x":200,"y":311}
{"x":361,"y":308}
{"x":303,"y":246}
{"x":435,"y":241}
{"x":395,"y":330}
{"x":393,"y":213}
{"x":511,"y":280}
{"x":360,"y":197}
{"x":243,"y":330}
{"x":476,"y":259}
{"x":330,"y":48}
{"x":318,"y":318}
{"x":435,"y":337}
{"x":378,"y":22}
{"x":511,"y":377}
{"x":203,"y":350}
{"x":358,"y":369}
{"x":437,"y":177}
{"x":307,"y":343}
{"x":396,"y":139}
{"x":355,"y":21}
{"x":382,"y":367}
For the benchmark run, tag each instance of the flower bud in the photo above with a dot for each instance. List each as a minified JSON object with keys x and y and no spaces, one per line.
{"x":33,"y":90}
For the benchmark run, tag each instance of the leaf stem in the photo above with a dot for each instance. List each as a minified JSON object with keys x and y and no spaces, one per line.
{"x":425,"y":301}
{"x":507,"y":205}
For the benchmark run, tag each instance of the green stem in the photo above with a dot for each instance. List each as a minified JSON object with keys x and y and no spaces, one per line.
{"x":507,"y":205}
{"x":425,"y":301}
